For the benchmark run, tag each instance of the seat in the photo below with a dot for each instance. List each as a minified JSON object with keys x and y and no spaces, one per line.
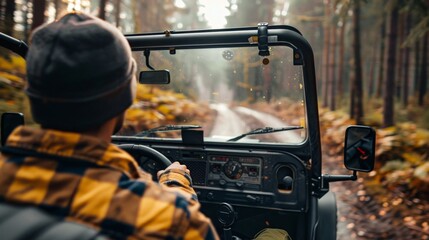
{"x":25,"y":222}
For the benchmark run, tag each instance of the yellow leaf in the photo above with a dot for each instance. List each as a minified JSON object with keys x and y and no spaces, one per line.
{"x":164,"y":109}
{"x":144,"y":96}
{"x":422,"y":172}
{"x":387,"y":131}
{"x":19,"y":63}
{"x":170,"y":117}
{"x":412,"y":158}
{"x":133,"y":114}
{"x":421,"y":138}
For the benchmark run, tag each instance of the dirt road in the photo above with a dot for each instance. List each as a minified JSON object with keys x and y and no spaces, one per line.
{"x":228,"y":122}
{"x":238,"y":120}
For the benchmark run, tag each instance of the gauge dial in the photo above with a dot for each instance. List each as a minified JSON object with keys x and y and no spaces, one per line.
{"x":233,"y":169}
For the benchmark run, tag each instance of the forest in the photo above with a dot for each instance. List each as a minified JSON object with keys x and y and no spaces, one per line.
{"x":372,"y":68}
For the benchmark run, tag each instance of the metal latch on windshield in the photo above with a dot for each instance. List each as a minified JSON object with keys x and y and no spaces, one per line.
{"x":263,"y":39}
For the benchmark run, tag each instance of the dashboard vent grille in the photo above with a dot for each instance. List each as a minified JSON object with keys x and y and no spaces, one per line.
{"x":198,"y":171}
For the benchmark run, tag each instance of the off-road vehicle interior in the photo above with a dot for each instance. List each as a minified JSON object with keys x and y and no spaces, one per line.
{"x":252,"y":168}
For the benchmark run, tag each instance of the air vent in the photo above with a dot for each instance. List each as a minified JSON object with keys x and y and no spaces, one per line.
{"x":198,"y":171}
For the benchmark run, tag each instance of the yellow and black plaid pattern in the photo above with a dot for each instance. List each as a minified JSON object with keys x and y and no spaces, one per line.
{"x":89,"y":181}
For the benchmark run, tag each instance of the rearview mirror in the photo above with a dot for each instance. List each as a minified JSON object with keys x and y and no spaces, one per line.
{"x":359,"y":150}
{"x":154,"y":77}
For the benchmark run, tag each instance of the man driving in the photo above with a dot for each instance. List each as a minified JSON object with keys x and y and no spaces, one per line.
{"x":81,"y":79}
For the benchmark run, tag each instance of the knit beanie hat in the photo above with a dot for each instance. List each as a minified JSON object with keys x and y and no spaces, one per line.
{"x":80,"y":71}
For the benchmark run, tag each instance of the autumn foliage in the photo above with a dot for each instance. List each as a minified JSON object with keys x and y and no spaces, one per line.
{"x":402,"y":152}
{"x":12,"y":70}
{"x":394,"y":195}
{"x":156,"y":107}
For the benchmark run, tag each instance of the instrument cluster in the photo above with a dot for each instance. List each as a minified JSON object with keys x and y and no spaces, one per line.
{"x":273,"y":180}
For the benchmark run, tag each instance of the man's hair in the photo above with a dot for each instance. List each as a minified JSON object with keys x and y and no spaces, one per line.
{"x":79,"y":72}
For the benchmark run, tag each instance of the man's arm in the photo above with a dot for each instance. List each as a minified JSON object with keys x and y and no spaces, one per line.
{"x":188,"y":221}
{"x":177,"y":177}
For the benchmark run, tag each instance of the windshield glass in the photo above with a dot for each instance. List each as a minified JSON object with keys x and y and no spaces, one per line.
{"x":226,"y":91}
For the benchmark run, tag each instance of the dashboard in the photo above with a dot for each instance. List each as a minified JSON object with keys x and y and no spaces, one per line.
{"x":261,"y":179}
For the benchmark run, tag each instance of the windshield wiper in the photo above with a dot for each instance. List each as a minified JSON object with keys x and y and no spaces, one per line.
{"x":263,"y":131}
{"x":165,"y":128}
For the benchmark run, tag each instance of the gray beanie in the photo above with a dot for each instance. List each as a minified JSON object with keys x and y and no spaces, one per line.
{"x":79,"y":72}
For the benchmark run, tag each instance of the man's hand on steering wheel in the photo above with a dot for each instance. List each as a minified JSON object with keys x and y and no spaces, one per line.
{"x":175,"y":165}
{"x":177,"y":176}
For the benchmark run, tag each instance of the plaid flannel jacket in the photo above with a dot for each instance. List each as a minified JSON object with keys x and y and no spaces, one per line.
{"x":92,"y":182}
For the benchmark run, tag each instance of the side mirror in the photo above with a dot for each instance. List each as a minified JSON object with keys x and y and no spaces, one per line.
{"x":154,"y":77}
{"x":359,"y":150}
{"x":9,"y":121}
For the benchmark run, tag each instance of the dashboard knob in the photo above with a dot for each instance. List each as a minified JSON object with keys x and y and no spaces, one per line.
{"x":233,"y":169}
{"x":288,"y":182}
{"x":226,"y":215}
{"x":210,"y":195}
{"x":222,"y":182}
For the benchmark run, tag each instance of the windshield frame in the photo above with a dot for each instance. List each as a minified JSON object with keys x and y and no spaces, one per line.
{"x":239,"y":37}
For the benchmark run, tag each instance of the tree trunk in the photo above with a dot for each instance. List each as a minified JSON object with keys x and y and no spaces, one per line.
{"x":371,"y":75}
{"x":38,"y":13}
{"x":160,"y":17}
{"x":380,"y":78}
{"x":9,"y":22}
{"x":424,"y":71}
{"x":25,"y":22}
{"x":357,"y":79}
{"x":118,"y":13}
{"x":135,"y":6}
{"x":407,"y":50}
{"x":325,"y":72}
{"x":399,"y":64}
{"x":352,"y":96}
{"x":102,"y":9}
{"x":389,"y":87}
{"x":416,"y":67}
{"x":332,"y":58}
{"x":340,"y":74}
{"x":59,"y":6}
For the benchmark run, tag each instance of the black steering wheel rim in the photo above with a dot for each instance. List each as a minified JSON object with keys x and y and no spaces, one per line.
{"x":142,"y":150}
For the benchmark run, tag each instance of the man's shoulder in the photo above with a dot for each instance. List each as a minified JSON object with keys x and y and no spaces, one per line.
{"x":102,"y":197}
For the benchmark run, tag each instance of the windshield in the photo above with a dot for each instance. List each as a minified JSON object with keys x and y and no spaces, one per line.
{"x":226,"y":91}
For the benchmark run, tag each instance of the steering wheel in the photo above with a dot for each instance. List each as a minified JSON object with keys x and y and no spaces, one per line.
{"x":148,"y":158}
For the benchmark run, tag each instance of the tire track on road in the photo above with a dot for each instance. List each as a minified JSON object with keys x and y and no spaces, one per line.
{"x":272,"y":121}
{"x":227,"y":122}
{"x":232,"y":122}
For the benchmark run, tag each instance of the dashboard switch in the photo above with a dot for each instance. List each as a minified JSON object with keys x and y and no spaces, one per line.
{"x":239,"y":184}
{"x":251,"y":198}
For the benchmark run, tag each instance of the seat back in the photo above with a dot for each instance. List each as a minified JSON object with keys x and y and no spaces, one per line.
{"x":23,"y":222}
